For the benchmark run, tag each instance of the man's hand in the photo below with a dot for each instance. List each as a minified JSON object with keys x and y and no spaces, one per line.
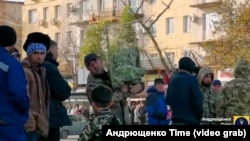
{"x":134,"y":89}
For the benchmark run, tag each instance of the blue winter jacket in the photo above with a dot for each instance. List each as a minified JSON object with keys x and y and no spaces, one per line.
{"x":156,"y":107}
{"x":14,"y":101}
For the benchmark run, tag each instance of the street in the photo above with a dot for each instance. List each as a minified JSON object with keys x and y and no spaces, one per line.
{"x":71,"y":138}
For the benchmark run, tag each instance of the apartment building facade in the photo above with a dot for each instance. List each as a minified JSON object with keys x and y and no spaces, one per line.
{"x":42,"y":16}
{"x":66,"y":22}
{"x":11,"y":14}
{"x":180,"y":31}
{"x":51,"y":17}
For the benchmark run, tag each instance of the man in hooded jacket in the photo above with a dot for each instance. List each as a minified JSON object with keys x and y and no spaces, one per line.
{"x":210,"y":98}
{"x":184,"y":95}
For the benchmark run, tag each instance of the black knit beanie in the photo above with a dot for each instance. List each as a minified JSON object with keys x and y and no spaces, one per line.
{"x":37,"y":37}
{"x":101,"y":95}
{"x":187,"y":64}
{"x":7,"y":36}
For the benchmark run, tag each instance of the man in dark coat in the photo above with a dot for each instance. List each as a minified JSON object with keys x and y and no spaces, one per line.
{"x":184,"y":95}
{"x":60,"y":91}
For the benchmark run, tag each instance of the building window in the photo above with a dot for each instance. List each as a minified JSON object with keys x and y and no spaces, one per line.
{"x":153,"y":55}
{"x":81,"y":36}
{"x":32,"y":16}
{"x":45,"y":13}
{"x":69,"y":37}
{"x":116,"y":4}
{"x":135,"y":5}
{"x":143,"y":56}
{"x":170,"y":25}
{"x":57,"y":36}
{"x":209,"y":20}
{"x":170,"y":56}
{"x":70,"y":9}
{"x":101,"y":5}
{"x":186,"y":24}
{"x":57,"y":11}
{"x":153,"y":29}
{"x":84,"y":7}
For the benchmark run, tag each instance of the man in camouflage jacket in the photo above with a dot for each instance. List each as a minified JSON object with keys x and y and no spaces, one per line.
{"x":210,"y":98}
{"x":124,"y":67}
{"x":98,"y":76}
{"x":236,"y":93}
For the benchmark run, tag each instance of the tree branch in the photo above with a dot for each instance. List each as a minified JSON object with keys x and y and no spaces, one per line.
{"x":149,"y":18}
{"x":163,"y":11}
{"x":124,"y":3}
{"x":140,"y":6}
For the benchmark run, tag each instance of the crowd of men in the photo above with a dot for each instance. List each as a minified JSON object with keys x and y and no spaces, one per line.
{"x":32,"y":91}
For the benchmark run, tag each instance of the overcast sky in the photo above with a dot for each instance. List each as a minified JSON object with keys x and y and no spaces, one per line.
{"x":15,"y":0}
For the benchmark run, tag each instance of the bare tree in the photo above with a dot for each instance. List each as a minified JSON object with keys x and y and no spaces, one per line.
{"x":69,"y":50}
{"x":147,"y":27}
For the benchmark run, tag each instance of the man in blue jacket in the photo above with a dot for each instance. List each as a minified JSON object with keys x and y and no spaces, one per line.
{"x":184,"y":95}
{"x":14,"y":101}
{"x":59,"y":91}
{"x":155,"y":104}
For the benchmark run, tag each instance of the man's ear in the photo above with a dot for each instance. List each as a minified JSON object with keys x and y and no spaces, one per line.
{"x":111,"y":103}
{"x":87,"y":68}
{"x":95,"y":108}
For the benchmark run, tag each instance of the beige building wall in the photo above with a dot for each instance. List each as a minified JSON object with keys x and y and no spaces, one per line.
{"x":75,"y":17}
{"x":206,"y":13}
{"x":11,"y":14}
{"x":173,"y":42}
{"x":36,"y":21}
{"x":181,"y":41}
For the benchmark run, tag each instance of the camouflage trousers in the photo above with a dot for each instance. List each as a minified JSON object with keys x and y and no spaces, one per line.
{"x":121,"y":111}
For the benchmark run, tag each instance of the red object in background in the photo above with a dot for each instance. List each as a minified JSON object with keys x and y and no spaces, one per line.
{"x":167,"y":79}
{"x":78,"y":111}
{"x":169,"y":114}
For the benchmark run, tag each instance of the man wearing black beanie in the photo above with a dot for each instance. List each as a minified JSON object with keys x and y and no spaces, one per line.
{"x":184,"y":95}
{"x":14,"y":101}
{"x":36,"y":46}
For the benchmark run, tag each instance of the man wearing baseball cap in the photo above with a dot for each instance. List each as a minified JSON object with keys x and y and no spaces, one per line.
{"x":156,"y":105}
{"x":217,"y":86}
{"x":99,"y":76}
{"x":14,"y":101}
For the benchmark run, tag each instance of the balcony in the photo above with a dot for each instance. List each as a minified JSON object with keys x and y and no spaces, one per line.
{"x":93,"y":17}
{"x":36,"y":1}
{"x":83,"y":20}
{"x":205,"y":3}
{"x":112,"y":16}
{"x":156,"y":64}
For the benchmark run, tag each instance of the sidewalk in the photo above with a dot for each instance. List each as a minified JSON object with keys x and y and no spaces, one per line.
{"x":70,"y":138}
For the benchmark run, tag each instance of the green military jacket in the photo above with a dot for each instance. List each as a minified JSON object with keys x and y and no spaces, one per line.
{"x":210,"y":100}
{"x":236,"y":94}
{"x":93,"y":130}
{"x":120,"y":107}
